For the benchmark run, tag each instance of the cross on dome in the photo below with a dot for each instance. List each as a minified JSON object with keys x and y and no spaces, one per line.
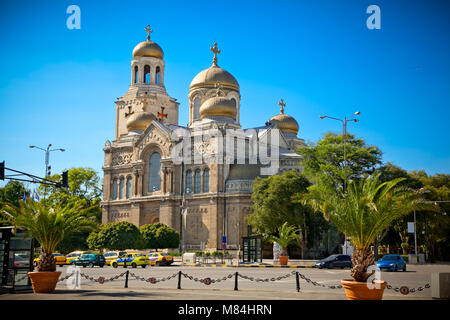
{"x":148,"y":32}
{"x":215,"y":50}
{"x":282,"y":105}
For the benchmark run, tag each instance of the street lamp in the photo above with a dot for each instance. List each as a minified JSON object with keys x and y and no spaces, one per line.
{"x":344,"y":133}
{"x":47,"y":159}
{"x":47,"y":156}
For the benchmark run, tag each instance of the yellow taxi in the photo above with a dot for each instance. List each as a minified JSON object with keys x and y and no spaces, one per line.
{"x":60,"y":259}
{"x":113,"y":255}
{"x":131,"y":259}
{"x":71,"y":257}
{"x":160,"y":259}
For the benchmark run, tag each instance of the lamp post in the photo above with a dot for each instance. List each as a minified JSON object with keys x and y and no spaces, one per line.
{"x":47,"y":160}
{"x":344,"y":133}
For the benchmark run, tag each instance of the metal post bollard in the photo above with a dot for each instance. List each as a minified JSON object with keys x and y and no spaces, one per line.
{"x":179,"y":280}
{"x":124,"y":263}
{"x":126,"y":279}
{"x":297,"y":281}
{"x":236,"y":281}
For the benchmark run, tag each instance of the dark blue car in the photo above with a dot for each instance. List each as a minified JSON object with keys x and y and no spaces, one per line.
{"x":335,"y":261}
{"x":391,"y":262}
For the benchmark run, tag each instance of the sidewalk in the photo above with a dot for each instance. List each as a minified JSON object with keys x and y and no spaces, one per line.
{"x":108,"y":293}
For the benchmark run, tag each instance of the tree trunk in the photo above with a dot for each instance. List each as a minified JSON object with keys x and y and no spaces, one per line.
{"x":361,"y":260}
{"x":46,"y":262}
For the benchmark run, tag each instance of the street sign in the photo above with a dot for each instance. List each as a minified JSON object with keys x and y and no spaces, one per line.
{"x":410,"y":227}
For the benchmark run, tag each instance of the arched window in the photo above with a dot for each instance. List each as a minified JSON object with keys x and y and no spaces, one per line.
{"x":114,"y":189}
{"x":136,"y":74}
{"x":147,"y":74}
{"x":121,"y":188}
{"x":158,"y":76}
{"x":206,"y":180}
{"x":197,"y":181}
{"x":196,"y":108}
{"x":235,"y":105}
{"x":154,"y":181}
{"x":188,"y":181}
{"x":129,"y":187}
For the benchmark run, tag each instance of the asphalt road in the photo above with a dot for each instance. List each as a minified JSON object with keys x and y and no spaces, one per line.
{"x":416,"y":276}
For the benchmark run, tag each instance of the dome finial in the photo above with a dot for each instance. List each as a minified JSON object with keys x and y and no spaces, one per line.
{"x":148,"y":32}
{"x":282,"y":105}
{"x":215,"y":50}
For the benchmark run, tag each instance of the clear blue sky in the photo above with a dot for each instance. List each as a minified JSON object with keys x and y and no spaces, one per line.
{"x":59,"y":86}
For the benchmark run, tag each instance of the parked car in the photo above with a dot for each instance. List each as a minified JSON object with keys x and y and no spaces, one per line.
{"x":160,"y":259}
{"x":21,"y":262}
{"x":60,"y":259}
{"x":71,"y":257}
{"x":91,"y":260}
{"x":391,"y":262}
{"x":131,"y":259}
{"x":113,"y":255}
{"x":335,"y":261}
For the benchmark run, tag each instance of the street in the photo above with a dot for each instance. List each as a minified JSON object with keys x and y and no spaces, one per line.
{"x":253,"y":283}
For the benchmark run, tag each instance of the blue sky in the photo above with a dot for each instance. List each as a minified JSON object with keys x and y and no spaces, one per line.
{"x":59,"y":86}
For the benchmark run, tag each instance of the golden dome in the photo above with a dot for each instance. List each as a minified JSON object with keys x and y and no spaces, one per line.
{"x":140,"y":120}
{"x":148,"y":48}
{"x":218,"y":107}
{"x":284,"y":122}
{"x":209,"y":77}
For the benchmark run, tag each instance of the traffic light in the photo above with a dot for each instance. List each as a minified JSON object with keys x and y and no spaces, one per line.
{"x":65,"y":179}
{"x":2,"y":170}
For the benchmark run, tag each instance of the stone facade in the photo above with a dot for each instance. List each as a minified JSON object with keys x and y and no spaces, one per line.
{"x":145,"y":183}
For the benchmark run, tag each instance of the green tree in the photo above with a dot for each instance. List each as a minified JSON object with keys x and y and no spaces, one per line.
{"x":49,"y":225}
{"x":362,"y":212}
{"x":325,"y":160}
{"x":13,"y":192}
{"x":84,"y":190}
{"x":434,"y":224}
{"x":159,"y":236}
{"x":119,"y":235}
{"x":273,"y":205}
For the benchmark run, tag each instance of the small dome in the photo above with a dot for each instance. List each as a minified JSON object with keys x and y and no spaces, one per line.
{"x":148,"y":48}
{"x":140,"y":120}
{"x":214,"y":74}
{"x":285,"y":123}
{"x":218,"y":107}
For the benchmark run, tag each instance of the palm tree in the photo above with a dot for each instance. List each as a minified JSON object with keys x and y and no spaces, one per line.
{"x":49,"y":225}
{"x":286,"y":235}
{"x":362,"y":212}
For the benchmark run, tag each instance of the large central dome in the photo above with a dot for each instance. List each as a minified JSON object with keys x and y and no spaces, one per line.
{"x":213,"y":75}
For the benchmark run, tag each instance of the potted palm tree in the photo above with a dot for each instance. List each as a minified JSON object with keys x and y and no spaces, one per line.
{"x":361,"y":213}
{"x":286,"y":235}
{"x":49,"y":225}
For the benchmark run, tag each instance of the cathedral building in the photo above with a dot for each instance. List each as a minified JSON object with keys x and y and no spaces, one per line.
{"x":189,"y":177}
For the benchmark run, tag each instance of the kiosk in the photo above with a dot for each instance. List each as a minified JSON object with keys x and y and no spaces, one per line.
{"x":16,"y":260}
{"x":252,"y":249}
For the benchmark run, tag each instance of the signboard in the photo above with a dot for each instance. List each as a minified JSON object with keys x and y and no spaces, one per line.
{"x":410,"y":227}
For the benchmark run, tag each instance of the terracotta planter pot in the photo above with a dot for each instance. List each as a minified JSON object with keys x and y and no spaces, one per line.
{"x":44,"y":282}
{"x":283,"y":260}
{"x":362,"y":291}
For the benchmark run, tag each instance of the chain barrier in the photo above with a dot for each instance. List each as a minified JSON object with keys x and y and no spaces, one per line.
{"x":207,"y":281}
{"x":153,"y":280}
{"x":405,"y":290}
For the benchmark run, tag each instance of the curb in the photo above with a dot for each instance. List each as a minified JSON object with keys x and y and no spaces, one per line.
{"x":242,"y":266}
